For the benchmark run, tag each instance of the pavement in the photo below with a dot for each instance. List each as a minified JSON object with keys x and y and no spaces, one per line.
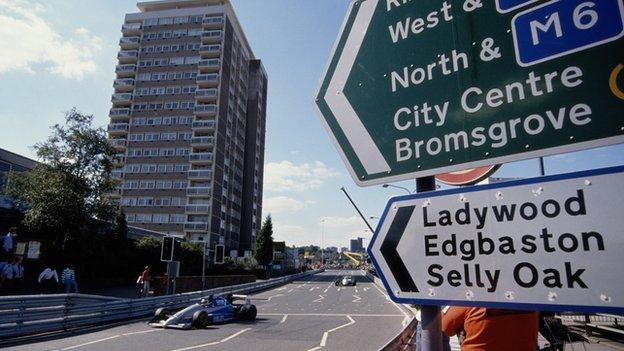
{"x":308,"y":314}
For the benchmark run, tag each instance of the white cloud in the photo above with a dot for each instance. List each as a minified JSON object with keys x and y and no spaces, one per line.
{"x":27,"y":40}
{"x":287,"y":176}
{"x":288,"y":232}
{"x":342,"y":222}
{"x":282,"y":204}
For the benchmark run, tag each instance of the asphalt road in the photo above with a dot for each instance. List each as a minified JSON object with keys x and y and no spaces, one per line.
{"x":307,"y":314}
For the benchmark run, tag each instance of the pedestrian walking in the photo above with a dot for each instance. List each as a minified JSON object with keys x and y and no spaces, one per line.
{"x":490,"y":329}
{"x":68,"y":278}
{"x":8,"y":243}
{"x":144,"y":280}
{"x":18,"y":275}
{"x":48,"y":280}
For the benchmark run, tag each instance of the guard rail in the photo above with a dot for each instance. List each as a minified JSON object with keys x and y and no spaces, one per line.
{"x":37,"y":314}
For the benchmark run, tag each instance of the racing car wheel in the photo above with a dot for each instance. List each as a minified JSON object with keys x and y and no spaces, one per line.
{"x":252,"y":312}
{"x":161,"y":312}
{"x":200,"y":319}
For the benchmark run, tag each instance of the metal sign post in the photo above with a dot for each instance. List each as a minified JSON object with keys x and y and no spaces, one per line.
{"x":431,"y":336}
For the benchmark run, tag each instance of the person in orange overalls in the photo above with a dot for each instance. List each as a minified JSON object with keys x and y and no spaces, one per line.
{"x":490,"y":329}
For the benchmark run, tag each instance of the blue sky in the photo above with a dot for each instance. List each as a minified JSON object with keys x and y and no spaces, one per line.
{"x":63,"y":55}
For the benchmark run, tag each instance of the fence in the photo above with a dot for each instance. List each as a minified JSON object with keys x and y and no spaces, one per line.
{"x":37,"y":314}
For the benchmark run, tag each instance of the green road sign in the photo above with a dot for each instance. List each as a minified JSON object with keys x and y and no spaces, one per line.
{"x":422,"y":87}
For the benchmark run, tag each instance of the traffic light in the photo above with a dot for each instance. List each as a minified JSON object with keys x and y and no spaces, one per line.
{"x":177,"y":251}
{"x":166,"y":251}
{"x":219,"y":254}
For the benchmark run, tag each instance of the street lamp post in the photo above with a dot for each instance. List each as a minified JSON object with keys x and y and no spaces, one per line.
{"x":322,"y":242}
{"x":398,"y":187}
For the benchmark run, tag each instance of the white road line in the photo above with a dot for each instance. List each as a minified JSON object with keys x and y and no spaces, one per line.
{"x":315,"y":348}
{"x":270,"y":297}
{"x":388,"y":298}
{"x":214,"y":342}
{"x":289,"y":291}
{"x":356,"y":290}
{"x":235,"y":335}
{"x":141,"y":332}
{"x":339,"y":289}
{"x":280,"y":289}
{"x":326,"y":334}
{"x":366,"y":289}
{"x":331,"y":314}
{"x":283,"y":319}
{"x":91,"y":342}
{"x":321,"y":297}
{"x":198,"y":346}
{"x":357,"y":298}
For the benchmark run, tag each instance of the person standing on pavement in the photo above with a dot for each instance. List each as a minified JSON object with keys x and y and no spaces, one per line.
{"x":491,"y":329}
{"x":68,"y":278}
{"x":7,"y":243}
{"x":6,"y":275}
{"x":48,"y":280}
{"x":18,"y":275}
{"x":145,"y":278}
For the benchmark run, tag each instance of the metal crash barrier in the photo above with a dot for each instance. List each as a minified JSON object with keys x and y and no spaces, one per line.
{"x":38,"y":314}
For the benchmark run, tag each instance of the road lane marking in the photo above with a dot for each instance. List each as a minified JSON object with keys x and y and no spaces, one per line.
{"x":141,"y":332}
{"x":235,"y":335}
{"x":110,"y":338}
{"x":198,"y":346}
{"x":283,"y":319}
{"x":331,"y":314}
{"x":356,"y":290}
{"x":270,"y":297}
{"x":315,"y":348}
{"x":388,"y":298}
{"x":214,"y":342}
{"x":321,"y":297}
{"x":91,"y":342}
{"x":289,"y":291}
{"x":357,"y":298}
{"x":366,"y":289}
{"x":280,"y":289}
{"x":326,"y":334}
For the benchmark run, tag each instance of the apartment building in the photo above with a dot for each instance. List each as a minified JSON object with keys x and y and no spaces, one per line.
{"x":188,"y":119}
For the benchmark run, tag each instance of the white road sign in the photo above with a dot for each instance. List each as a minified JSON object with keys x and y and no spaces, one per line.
{"x":550,"y":243}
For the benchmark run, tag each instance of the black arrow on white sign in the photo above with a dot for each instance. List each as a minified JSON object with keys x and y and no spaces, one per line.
{"x":389,"y":250}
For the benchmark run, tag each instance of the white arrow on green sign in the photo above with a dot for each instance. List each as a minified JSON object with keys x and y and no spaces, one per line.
{"x":417,"y":88}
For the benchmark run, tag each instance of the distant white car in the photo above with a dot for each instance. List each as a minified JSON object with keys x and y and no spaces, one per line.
{"x":347,"y":280}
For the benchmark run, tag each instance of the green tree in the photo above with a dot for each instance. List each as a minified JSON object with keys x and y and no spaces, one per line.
{"x":264,"y":243}
{"x":120,"y":226}
{"x":149,"y":243}
{"x":68,"y":189}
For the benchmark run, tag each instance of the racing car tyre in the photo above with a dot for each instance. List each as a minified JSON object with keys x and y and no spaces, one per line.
{"x":252,"y":312}
{"x":200,"y":319}
{"x":161,"y":312}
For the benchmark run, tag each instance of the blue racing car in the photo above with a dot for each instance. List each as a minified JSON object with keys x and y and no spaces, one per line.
{"x":212,"y":310}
